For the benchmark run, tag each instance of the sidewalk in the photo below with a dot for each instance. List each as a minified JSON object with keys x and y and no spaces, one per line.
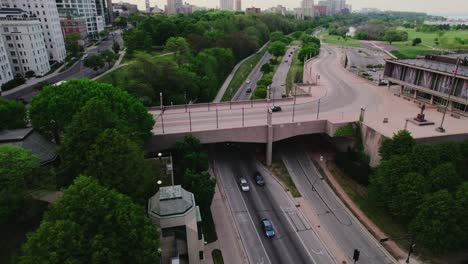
{"x":34,"y":80}
{"x":116,"y":65}
{"x":228,"y":239}
{"x":378,"y":234}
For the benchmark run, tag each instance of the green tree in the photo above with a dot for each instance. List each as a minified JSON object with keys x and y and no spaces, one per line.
{"x":180,"y":47}
{"x":109,"y":57}
{"x":444,"y":176}
{"x":16,"y":164}
{"x":401,"y":143}
{"x":276,"y":36}
{"x":202,"y":185}
{"x":435,"y":225}
{"x":266,"y":68}
{"x":260,"y":92}
{"x":416,"y":41}
{"x":91,"y":224}
{"x":409,"y":194}
{"x":53,"y":109}
{"x":306,"y":40}
{"x":119,"y":163}
{"x":309,"y":51}
{"x":392,"y":35}
{"x":82,"y":132}
{"x":189,"y":152}
{"x":95,"y":62}
{"x":461,"y":198}
{"x":12,"y":114}
{"x":121,"y":21}
{"x":277,"y":49}
{"x":72,"y":44}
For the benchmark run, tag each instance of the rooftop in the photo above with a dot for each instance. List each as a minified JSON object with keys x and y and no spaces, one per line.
{"x":171,"y":201}
{"x":29,"y":139}
{"x":440,"y":66}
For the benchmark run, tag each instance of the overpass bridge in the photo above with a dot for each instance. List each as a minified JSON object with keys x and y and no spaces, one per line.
{"x":245,"y":121}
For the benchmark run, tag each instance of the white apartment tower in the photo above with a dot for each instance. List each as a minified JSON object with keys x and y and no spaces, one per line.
{"x":174,"y":6}
{"x":46,"y":12}
{"x":226,"y":4}
{"x":24,"y":45}
{"x":87,"y":9}
{"x":307,"y":8}
{"x":238,"y":6}
{"x":5,"y":68}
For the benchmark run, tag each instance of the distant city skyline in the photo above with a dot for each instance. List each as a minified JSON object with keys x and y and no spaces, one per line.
{"x":448,"y":8}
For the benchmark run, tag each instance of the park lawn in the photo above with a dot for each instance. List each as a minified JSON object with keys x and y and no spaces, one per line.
{"x":408,"y":51}
{"x":339,"y":41}
{"x":446,"y":41}
{"x":296,"y":66}
{"x":241,"y":75}
{"x":114,"y":77}
{"x":278,"y":169}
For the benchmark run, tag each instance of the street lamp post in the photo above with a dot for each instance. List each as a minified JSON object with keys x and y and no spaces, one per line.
{"x":441,"y":129}
{"x":161,"y":101}
{"x":318,"y":108}
{"x":294,"y":104}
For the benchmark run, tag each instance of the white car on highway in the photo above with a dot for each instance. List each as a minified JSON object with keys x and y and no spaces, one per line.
{"x":247,"y":82}
{"x":244,"y":185}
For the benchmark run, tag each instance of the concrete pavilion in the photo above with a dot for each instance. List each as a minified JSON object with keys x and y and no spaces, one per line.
{"x":174,"y":211}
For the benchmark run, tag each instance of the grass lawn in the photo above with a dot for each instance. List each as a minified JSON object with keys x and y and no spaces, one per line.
{"x":339,"y":41}
{"x":217,"y":256}
{"x":358,"y":193}
{"x":410,"y":52}
{"x":241,"y":75}
{"x":114,"y":77}
{"x":296,"y":66}
{"x":446,"y":40}
{"x":279,"y":170}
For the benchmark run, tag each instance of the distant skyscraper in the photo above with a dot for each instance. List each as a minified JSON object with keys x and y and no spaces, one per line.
{"x":226,"y":4}
{"x":238,"y":5}
{"x":307,"y":8}
{"x":147,"y":5}
{"x":174,"y":6}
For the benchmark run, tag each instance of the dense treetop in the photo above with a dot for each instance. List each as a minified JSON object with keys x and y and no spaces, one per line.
{"x":92,"y":224}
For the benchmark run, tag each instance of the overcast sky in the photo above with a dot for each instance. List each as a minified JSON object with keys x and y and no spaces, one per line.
{"x":456,"y":7}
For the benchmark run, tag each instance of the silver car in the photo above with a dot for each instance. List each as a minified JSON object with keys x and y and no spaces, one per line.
{"x":244,"y":185}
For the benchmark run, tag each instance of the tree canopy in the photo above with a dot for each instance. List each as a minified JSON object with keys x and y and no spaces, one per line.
{"x":16,"y":164}
{"x":91,"y":224}
{"x":277,"y":49}
{"x":12,"y":114}
{"x":53,"y":109}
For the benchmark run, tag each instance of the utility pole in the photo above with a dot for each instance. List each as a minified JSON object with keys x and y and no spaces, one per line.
{"x":318,"y":108}
{"x":441,"y":129}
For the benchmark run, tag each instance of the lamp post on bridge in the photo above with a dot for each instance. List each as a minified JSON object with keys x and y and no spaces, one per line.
{"x":161,"y":101}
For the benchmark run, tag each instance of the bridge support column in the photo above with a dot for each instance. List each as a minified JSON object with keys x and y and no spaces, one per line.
{"x":269,"y":150}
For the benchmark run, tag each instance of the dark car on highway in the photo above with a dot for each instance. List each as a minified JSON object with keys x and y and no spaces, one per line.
{"x":258,"y":178}
{"x":267,"y":227}
{"x":275,"y":108}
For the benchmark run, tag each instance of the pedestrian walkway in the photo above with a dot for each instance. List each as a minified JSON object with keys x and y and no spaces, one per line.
{"x":228,"y":239}
{"x":116,"y":65}
{"x":33,"y":81}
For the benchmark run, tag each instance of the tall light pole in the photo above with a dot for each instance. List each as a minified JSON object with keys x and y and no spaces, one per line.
{"x":441,"y":129}
{"x":161,"y":101}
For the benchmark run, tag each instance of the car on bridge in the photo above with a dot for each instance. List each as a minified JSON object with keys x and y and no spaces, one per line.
{"x":259,"y":179}
{"x":267,"y":227}
{"x":244,"y":185}
{"x":275,"y":108}
{"x":249,"y":89}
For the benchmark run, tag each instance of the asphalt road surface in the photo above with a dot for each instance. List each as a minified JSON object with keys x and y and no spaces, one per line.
{"x":278,"y":86}
{"x":77,"y":71}
{"x":333,"y":216}
{"x":295,"y":241}
{"x":254,"y":76}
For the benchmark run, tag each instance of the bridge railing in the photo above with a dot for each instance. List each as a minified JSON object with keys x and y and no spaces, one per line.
{"x":225,"y":118}
{"x":224,"y":105}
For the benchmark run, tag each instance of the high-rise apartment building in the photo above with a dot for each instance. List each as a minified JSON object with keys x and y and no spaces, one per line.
{"x":46,"y":12}
{"x":226,"y":4}
{"x":87,"y":9}
{"x":174,"y":6}
{"x":104,"y":10}
{"x":5,"y":68}
{"x":307,"y":8}
{"x":238,"y":5}
{"x":24,"y":44}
